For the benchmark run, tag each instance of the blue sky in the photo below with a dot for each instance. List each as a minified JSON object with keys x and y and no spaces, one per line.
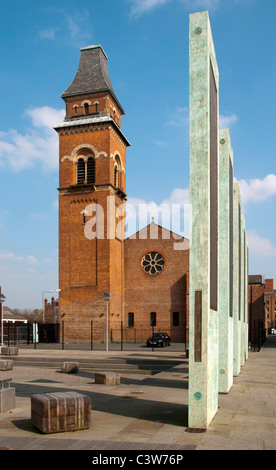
{"x":146,"y":42}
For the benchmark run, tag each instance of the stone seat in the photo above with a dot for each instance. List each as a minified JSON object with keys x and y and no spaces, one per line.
{"x":6,"y":364}
{"x":107,"y":378}
{"x":9,"y":351}
{"x":70,"y":367}
{"x":60,"y":412}
{"x":7,"y":396}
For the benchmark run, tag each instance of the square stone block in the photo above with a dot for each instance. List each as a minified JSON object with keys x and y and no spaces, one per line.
{"x":60,"y":412}
{"x":107,"y":378}
{"x":70,"y":367}
{"x":9,"y":351}
{"x":6,"y":364}
{"x":7,"y":397}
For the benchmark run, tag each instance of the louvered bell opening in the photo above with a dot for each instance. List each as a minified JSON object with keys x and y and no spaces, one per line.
{"x":90,"y":170}
{"x":81,"y":171}
{"x":115,"y":177}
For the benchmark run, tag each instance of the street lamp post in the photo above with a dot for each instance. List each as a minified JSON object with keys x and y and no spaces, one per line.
{"x":43,"y":306}
{"x":2,"y":299}
{"x":107,"y":299}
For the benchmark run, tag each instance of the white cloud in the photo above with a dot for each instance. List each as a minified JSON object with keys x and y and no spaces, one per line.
{"x":138,"y":7}
{"x":173,"y":213}
{"x":32,"y":260}
{"x":260,"y":246}
{"x":48,"y":33}
{"x":178,"y":117}
{"x":72,"y":28}
{"x":45,"y":116}
{"x":160,"y":143}
{"x":142,"y":6}
{"x":9,"y":256}
{"x":21,"y":151}
{"x":178,"y":196}
{"x":202,"y":4}
{"x":226,"y":121}
{"x":38,"y":215}
{"x":257,"y":190}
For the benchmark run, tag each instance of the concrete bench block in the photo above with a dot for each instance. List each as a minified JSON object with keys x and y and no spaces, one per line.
{"x":107,"y":378}
{"x":7,"y":399}
{"x":70,"y":367}
{"x":7,"y":396}
{"x":60,"y":412}
{"x":6,"y":364}
{"x":9,"y":351}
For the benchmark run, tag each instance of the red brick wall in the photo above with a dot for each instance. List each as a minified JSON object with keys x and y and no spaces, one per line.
{"x":164,"y":293}
{"x":88,"y":267}
{"x":256,"y":309}
{"x":106,"y":105}
{"x":269,"y":285}
{"x":270,"y":299}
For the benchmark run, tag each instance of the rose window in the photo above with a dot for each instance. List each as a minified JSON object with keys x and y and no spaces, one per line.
{"x":153,"y":263}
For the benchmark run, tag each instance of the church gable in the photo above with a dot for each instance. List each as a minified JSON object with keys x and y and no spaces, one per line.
{"x":156,"y":282}
{"x":156,"y":232}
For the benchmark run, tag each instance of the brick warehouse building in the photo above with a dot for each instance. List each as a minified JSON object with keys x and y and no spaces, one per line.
{"x":270,"y":304}
{"x":146,"y":277}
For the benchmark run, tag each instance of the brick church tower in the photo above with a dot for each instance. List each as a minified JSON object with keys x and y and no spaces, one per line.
{"x":92,"y":186}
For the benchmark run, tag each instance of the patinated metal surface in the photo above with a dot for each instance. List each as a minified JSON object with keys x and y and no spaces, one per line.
{"x":239,"y":265}
{"x":213,"y":192}
{"x":230,"y":238}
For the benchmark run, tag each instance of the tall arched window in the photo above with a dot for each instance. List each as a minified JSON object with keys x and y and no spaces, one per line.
{"x":117,"y":170}
{"x":90,"y":170}
{"x":81,"y":171}
{"x":115,"y":175}
{"x":86,"y":108}
{"x":86,"y":170}
{"x":130,"y":319}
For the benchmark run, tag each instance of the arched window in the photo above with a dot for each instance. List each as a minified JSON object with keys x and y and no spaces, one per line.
{"x":117,"y":170}
{"x":86,"y":108}
{"x":86,"y":170}
{"x":130,"y":319}
{"x":90,"y":170}
{"x":81,"y":171}
{"x":115,"y":175}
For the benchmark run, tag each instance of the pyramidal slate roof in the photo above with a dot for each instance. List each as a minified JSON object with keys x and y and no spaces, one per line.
{"x":92,"y":75}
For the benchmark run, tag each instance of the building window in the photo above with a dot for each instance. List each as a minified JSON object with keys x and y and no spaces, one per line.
{"x":86,"y":108}
{"x":153,"y":319}
{"x":80,"y":171}
{"x":115,"y":176}
{"x":175,"y":318}
{"x":90,"y":170}
{"x":117,"y":171}
{"x":131,"y":319}
{"x":153,"y":263}
{"x":86,"y":171}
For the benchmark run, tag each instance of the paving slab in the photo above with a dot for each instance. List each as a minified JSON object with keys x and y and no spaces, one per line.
{"x":149,"y":413}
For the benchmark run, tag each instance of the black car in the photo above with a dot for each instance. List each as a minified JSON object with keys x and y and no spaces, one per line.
{"x":159,"y":339}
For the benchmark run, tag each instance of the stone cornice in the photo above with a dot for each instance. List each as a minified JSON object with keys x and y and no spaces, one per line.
{"x":77,"y":126}
{"x":89,"y":188}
